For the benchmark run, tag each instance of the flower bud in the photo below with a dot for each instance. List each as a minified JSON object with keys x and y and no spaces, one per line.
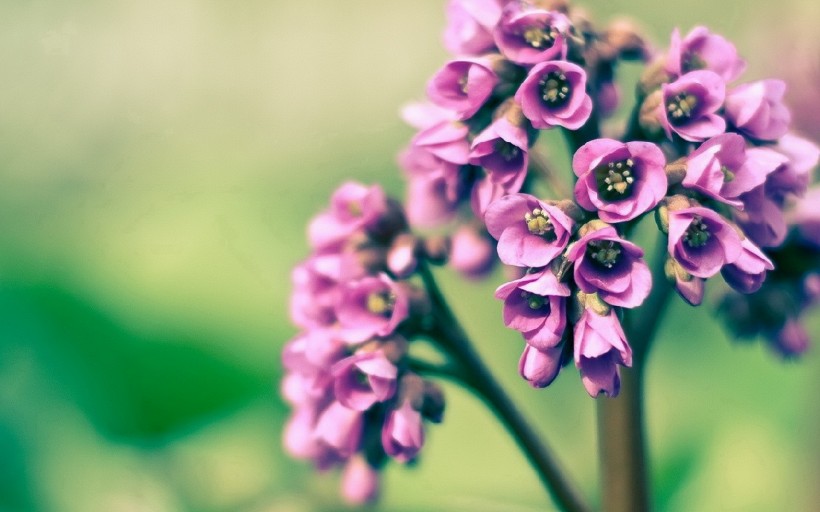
{"x":648,"y":115}
{"x":436,"y":249}
{"x":433,"y":406}
{"x":402,"y":256}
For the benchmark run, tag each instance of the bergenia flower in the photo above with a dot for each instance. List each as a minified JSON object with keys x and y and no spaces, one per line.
{"x":619,"y":180}
{"x":463,"y":85}
{"x":446,"y":140}
{"x":701,"y":49}
{"x":432,"y":187}
{"x":540,"y":367}
{"x":690,"y":106}
{"x":502,"y":150}
{"x":747,"y":273}
{"x":600,"y":347}
{"x":364,"y":379}
{"x":793,"y":176}
{"x":340,"y":428}
{"x":470,"y":26}
{"x":315,"y":291}
{"x":403,"y":433}
{"x":763,"y":219}
{"x":360,"y":481}
{"x":535,"y":305}
{"x":371,"y":306}
{"x":483,"y":194}
{"x":472,"y":252}
{"x":554,"y":94}
{"x":757,"y":110}
{"x":792,"y":339}
{"x":530,"y":233}
{"x":353,"y":207}
{"x":611,"y":266}
{"x":527,"y":35}
{"x":701,"y":241}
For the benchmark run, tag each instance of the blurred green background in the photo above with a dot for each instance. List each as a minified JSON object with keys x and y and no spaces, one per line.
{"x":160,"y":159}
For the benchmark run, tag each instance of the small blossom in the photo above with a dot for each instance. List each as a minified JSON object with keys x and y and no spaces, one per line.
{"x":527,"y":35}
{"x":538,"y":367}
{"x":502,"y":150}
{"x":360,"y":481}
{"x":748,"y":272}
{"x":353,"y":207}
{"x":757,"y":110}
{"x":762,"y":218}
{"x":432,"y":189}
{"x":340,"y":428}
{"x":403,"y":433}
{"x":690,"y":104}
{"x":794,"y":175}
{"x":600,"y":346}
{"x":469,"y":26}
{"x":530,"y":233}
{"x":620,"y":181}
{"x":611,"y":266}
{"x":535,"y":305}
{"x":364,"y":379}
{"x":472,"y":252}
{"x":446,"y":140}
{"x":315,"y":291}
{"x":702,"y":241}
{"x":701,"y":49}
{"x":371,"y":306}
{"x":791,"y":340}
{"x":463,"y":85}
{"x":554,"y":94}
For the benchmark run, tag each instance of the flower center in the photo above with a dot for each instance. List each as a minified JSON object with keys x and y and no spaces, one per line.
{"x":697,"y":234}
{"x":534,"y":301}
{"x":681,"y":107}
{"x":615,"y":179}
{"x":692,"y":62}
{"x":381,"y":303}
{"x":507,"y":151}
{"x":604,"y":252}
{"x":540,"y":37}
{"x":728,"y":175}
{"x":462,"y":84}
{"x":538,"y":223}
{"x":555,"y":88}
{"x":354,"y":208}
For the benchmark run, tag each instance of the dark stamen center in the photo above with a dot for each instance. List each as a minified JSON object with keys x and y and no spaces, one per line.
{"x":533,"y":301}
{"x":381,"y":303}
{"x":728,"y":175}
{"x":506,"y":150}
{"x":681,"y":107}
{"x":540,"y":38}
{"x":555,"y":89}
{"x":691,"y":62}
{"x":538,"y":223}
{"x":615,"y":179}
{"x":604,"y":252}
{"x":697,"y":234}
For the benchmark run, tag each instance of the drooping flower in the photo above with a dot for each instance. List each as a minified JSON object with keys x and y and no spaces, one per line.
{"x":502,"y":150}
{"x":527,"y":35}
{"x":701,"y":49}
{"x":364,"y":379}
{"x":463,"y":85}
{"x":403,"y":433}
{"x":619,"y":180}
{"x":793,"y":176}
{"x":469,"y":26}
{"x":690,"y":104}
{"x":701,"y":241}
{"x":540,"y":367}
{"x":472,"y":252}
{"x":535,"y":305}
{"x":360,"y":481}
{"x":600,"y":347}
{"x":747,"y":273}
{"x":756,"y":109}
{"x":371,"y":306}
{"x":340,"y":428}
{"x":530,"y":233}
{"x":554,"y":94}
{"x":315,"y":291}
{"x":689,"y":287}
{"x":610,"y":266}
{"x":353,"y":207}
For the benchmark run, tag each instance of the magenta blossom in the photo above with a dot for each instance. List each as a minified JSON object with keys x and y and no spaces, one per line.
{"x":554,"y":94}
{"x":535,"y":305}
{"x":701,"y":49}
{"x":353,"y":207}
{"x":600,"y":346}
{"x":723,"y":169}
{"x":364,"y":379}
{"x":620,"y":181}
{"x":530,"y":233}
{"x":690,"y":106}
{"x":748,"y":271}
{"x":446,"y":140}
{"x":472,"y":252}
{"x":484,"y":193}
{"x":403,"y":433}
{"x":527,"y":35}
{"x":469,"y":26}
{"x":792,"y":339}
{"x":701,"y":241}
{"x":340,"y":428}
{"x":502,"y":150}
{"x":371,"y":306}
{"x":794,"y":176}
{"x":463,"y":85}
{"x":432,"y":189}
{"x":360,"y":481}
{"x":315,"y":291}
{"x":757,"y":109}
{"x":611,"y":266}
{"x":763,"y":219}
{"x":540,"y":368}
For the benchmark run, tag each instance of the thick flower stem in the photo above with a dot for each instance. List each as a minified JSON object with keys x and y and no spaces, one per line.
{"x":447,"y":331}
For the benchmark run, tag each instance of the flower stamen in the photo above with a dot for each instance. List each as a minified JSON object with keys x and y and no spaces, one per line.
{"x":555,"y":88}
{"x":604,"y":252}
{"x":697,"y":234}
{"x":538,"y":223}
{"x":381,"y":303}
{"x":682,"y":107}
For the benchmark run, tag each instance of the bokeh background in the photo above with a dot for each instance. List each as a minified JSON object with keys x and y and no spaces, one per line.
{"x":159,"y":161}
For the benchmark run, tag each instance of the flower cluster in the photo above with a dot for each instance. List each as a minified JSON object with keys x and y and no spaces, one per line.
{"x":355,"y":400}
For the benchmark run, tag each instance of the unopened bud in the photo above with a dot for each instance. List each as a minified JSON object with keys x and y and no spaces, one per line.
{"x":436,"y":249}
{"x":395,"y":348}
{"x":652,"y":78}
{"x":624,"y":37}
{"x":571,"y":210}
{"x":411,"y":389}
{"x":433,"y":407}
{"x":675,"y":171}
{"x":402,"y":256}
{"x":662,"y":218}
{"x":677,"y":202}
{"x":592,"y":226}
{"x":648,"y":115}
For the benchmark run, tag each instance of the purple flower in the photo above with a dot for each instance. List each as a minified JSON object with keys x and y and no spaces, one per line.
{"x":446,"y":140}
{"x":353,"y":207}
{"x":463,"y":85}
{"x":723,"y":169}
{"x":794,"y":175}
{"x":527,"y":35}
{"x":502,"y":150}
{"x":403,"y":433}
{"x":620,"y":181}
{"x":701,"y":49}
{"x":748,"y":272}
{"x":472,"y":252}
{"x":469,"y":26}
{"x":360,"y":481}
{"x":540,"y":368}
{"x":791,"y":340}
{"x":484,"y":193}
{"x":757,"y":109}
{"x":762,"y":218}
{"x":702,"y":241}
{"x":554,"y":94}
{"x":315,"y":291}
{"x":340,"y":428}
{"x":432,"y":188}
{"x":690,"y":104}
{"x":530,"y":233}
{"x":611,"y":266}
{"x":600,"y":346}
{"x":364,"y":379}
{"x":535,"y":305}
{"x":371,"y":306}
{"x":298,"y":436}
{"x":307,"y":359}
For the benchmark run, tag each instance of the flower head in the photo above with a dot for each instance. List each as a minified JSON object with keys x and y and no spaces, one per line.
{"x":535,"y":305}
{"x":701,"y":49}
{"x":600,"y":347}
{"x":463,"y":85}
{"x":701,"y":241}
{"x":527,"y":35}
{"x":353,"y":207}
{"x":364,"y":379}
{"x":371,"y":306}
{"x":502,"y":150}
{"x":469,"y":26}
{"x":554,"y":94}
{"x":757,"y":110}
{"x":690,"y":104}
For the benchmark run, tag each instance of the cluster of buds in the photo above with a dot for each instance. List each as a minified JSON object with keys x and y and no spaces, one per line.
{"x":356,"y":402}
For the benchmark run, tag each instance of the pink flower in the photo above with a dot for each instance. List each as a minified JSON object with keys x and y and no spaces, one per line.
{"x":315,"y":291}
{"x":371,"y":306}
{"x":472,"y":252}
{"x":620,"y":181}
{"x":792,"y":339}
{"x":554,"y":94}
{"x":463,"y":85}
{"x":364,"y":379}
{"x":484,"y":193}
{"x":690,"y":106}
{"x":701,"y":49}
{"x":600,"y":346}
{"x":794,"y":175}
{"x":757,"y":109}
{"x":538,"y":367}
{"x":469,"y":26}
{"x":360,"y":481}
{"x":530,"y":233}
{"x":502,"y":150}
{"x":701,"y":241}
{"x":762,"y":218}
{"x":612,"y":267}
{"x":403,"y":433}
{"x":432,"y":188}
{"x":340,"y":428}
{"x":535,"y":305}
{"x":353,"y":207}
{"x":748,"y":271}
{"x":527,"y":35}
{"x":446,"y":140}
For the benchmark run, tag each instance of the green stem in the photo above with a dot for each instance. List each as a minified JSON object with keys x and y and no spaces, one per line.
{"x":451,"y":336}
